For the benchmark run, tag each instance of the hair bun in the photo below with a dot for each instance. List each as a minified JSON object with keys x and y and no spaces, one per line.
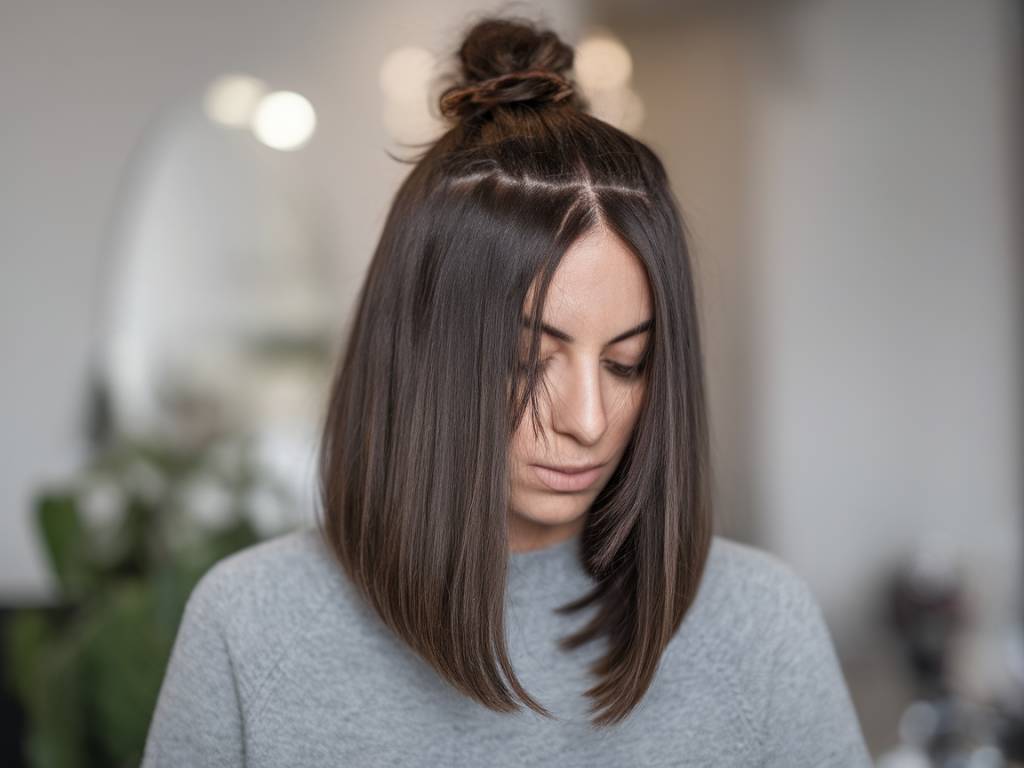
{"x":505,"y":61}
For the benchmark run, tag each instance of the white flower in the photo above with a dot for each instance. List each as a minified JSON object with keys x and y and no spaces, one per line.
{"x":145,"y":480}
{"x":207,"y":501}
{"x":101,"y":502}
{"x":228,"y":456}
{"x":265,"y":511}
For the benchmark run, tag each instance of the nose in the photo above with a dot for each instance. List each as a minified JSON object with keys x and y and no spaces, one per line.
{"x":578,"y":407}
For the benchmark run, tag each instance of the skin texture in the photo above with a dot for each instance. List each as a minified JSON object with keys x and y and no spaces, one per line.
{"x":599,"y":290}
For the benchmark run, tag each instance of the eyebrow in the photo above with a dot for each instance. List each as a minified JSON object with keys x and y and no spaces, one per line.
{"x":563,"y":336}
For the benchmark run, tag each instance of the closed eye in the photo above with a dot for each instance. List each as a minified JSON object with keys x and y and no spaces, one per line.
{"x":625,"y":371}
{"x":622,"y":371}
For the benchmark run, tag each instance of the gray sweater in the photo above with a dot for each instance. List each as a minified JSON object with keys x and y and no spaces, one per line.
{"x":278,"y":663}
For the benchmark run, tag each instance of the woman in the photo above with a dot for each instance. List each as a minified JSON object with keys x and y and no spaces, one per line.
{"x":514,"y":564}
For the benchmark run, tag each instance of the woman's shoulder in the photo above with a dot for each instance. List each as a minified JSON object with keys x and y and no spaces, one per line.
{"x":751,"y":597}
{"x":270,"y":591}
{"x":754,"y":621}
{"x":745,"y":568}
{"x":264,"y":598}
{"x":763,"y":630}
{"x":296,"y":568}
{"x":286,"y":572}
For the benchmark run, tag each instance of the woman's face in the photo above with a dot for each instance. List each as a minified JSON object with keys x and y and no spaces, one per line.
{"x":589,"y":393}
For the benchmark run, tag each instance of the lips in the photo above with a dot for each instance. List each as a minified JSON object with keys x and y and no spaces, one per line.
{"x":567,"y":480}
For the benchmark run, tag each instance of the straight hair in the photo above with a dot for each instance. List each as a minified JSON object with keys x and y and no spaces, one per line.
{"x":414,"y":454}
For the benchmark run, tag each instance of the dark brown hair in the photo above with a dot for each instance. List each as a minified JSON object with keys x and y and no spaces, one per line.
{"x":415,"y":447}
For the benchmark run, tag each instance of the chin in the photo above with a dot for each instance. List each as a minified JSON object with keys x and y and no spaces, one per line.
{"x":551,"y":508}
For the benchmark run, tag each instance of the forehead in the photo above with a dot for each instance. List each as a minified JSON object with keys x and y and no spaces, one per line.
{"x":599,"y":288}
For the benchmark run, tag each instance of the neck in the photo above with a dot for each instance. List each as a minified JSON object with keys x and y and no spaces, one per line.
{"x":526,"y":535}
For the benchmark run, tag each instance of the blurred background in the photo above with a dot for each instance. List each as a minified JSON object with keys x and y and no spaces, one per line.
{"x":191,"y":193}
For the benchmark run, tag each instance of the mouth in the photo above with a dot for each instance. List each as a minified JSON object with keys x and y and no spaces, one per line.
{"x":568,"y":479}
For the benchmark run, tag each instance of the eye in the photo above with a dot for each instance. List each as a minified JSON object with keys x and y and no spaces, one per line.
{"x":622,"y":371}
{"x":625,"y":371}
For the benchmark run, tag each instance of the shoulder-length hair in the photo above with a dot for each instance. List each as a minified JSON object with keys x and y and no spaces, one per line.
{"x":414,"y":454}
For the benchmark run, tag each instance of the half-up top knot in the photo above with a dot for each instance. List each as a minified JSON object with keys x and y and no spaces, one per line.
{"x":507,"y":61}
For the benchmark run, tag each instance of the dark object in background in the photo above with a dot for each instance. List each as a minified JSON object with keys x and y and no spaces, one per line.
{"x":927,"y":608}
{"x":127,"y":540}
{"x":12,"y":715}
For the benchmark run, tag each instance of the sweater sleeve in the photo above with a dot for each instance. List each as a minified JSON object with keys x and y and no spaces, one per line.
{"x":197,"y":720}
{"x":809,"y":718}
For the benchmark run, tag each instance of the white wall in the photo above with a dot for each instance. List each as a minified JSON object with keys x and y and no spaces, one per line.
{"x":887,"y":352}
{"x":80,"y":83}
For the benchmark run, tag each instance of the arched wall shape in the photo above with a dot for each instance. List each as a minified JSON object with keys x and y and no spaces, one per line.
{"x":218,"y":314}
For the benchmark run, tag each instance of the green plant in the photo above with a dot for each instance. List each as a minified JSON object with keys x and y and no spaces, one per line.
{"x":127,"y":540}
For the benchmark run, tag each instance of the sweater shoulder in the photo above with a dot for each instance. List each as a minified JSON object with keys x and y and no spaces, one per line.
{"x":288,"y":571}
{"x":266,"y":598}
{"x":749,"y":575}
{"x":773,"y":640}
{"x":747,"y":606}
{"x":749,"y":603}
{"x":758,"y":592}
{"x":751,"y":600}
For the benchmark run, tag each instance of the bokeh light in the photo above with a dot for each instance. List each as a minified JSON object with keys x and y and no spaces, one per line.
{"x":231,"y":100}
{"x":284,"y":120}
